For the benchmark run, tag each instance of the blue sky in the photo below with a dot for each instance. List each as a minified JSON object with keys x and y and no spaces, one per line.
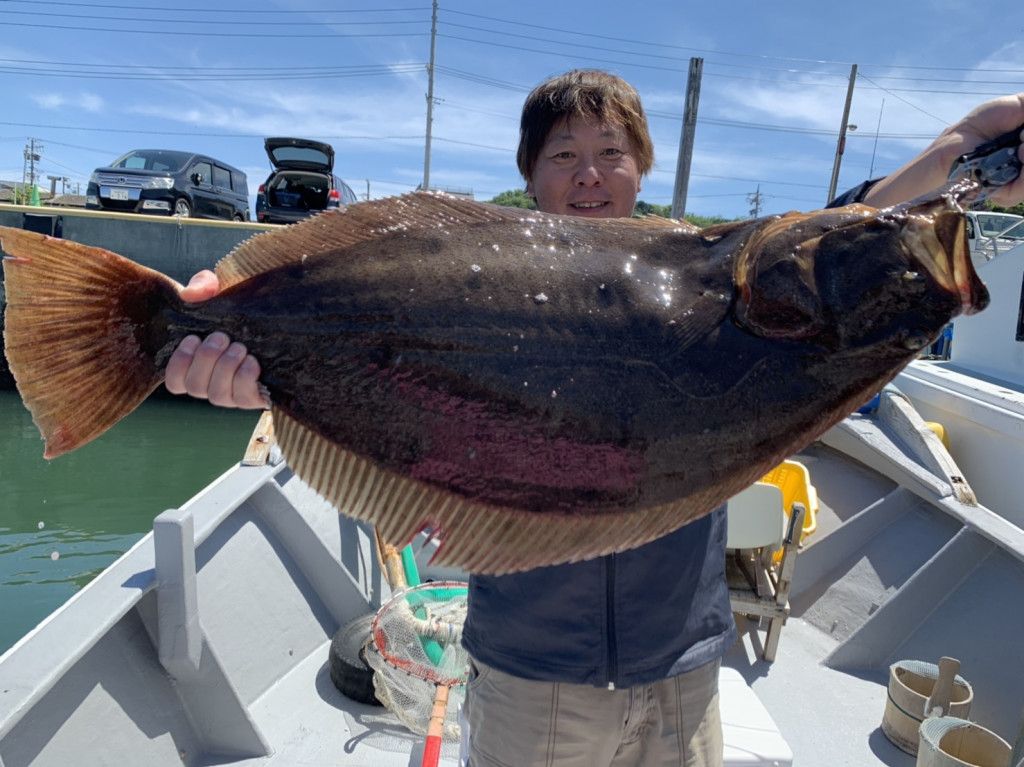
{"x":90,"y":81}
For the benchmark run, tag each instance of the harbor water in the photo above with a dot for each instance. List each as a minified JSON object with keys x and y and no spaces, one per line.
{"x":65,"y":520}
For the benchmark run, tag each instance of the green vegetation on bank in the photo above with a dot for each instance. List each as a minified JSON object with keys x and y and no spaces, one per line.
{"x":1017,"y":209}
{"x":517,"y":198}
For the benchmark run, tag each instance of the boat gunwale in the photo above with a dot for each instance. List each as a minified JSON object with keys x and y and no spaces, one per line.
{"x":35,"y":663}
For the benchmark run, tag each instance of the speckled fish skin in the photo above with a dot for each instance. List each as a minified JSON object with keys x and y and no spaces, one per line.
{"x":476,"y":369}
{"x":559,"y":363}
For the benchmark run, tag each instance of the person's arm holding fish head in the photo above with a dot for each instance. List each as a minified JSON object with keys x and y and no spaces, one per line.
{"x":930,"y":169}
{"x":215,"y":368}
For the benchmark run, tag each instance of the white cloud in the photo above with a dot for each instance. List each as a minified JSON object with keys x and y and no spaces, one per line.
{"x":86,"y":102}
{"x":48,"y":100}
{"x":90,"y":102}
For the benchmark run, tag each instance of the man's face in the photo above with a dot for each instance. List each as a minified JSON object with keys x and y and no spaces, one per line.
{"x":586,"y":168}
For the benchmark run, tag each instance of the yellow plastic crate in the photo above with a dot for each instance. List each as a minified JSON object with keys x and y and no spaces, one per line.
{"x":940,"y":432}
{"x":794,"y":480}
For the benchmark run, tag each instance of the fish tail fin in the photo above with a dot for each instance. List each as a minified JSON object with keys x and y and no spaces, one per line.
{"x":73,"y":334}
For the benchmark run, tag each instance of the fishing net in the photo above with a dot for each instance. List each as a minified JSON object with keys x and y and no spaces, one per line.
{"x":416,"y":646}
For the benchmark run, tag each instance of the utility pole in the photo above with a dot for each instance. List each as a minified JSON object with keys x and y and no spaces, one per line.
{"x":430,"y":100}
{"x":755,"y":199}
{"x":841,"y":145}
{"x":32,"y":151}
{"x":28,"y":167}
{"x":686,"y":137}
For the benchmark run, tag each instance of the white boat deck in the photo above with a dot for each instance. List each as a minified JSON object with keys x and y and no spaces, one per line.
{"x":129,"y":672}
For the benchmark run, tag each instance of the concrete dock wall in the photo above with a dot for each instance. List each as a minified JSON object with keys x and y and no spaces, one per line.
{"x":177,"y":247}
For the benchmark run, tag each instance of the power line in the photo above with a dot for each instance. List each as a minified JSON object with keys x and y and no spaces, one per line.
{"x":207,"y":9}
{"x":323,"y":12}
{"x":182,"y":33}
{"x":325,"y":20}
{"x":219,"y":74}
{"x":200,"y":134}
{"x":235,"y":22}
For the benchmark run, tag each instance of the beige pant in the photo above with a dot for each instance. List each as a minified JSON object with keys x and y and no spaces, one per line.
{"x":517,"y":722}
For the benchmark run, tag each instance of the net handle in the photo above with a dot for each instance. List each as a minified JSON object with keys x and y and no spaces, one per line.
{"x":435,"y":727}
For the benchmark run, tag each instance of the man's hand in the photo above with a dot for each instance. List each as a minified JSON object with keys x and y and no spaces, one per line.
{"x":930,"y":169}
{"x":214,"y":369}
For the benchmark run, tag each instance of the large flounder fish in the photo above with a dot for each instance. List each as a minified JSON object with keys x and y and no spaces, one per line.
{"x":535,"y":389}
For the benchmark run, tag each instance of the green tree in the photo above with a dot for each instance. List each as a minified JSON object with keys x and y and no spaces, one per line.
{"x":515,"y":198}
{"x":650,"y":209}
{"x":1017,"y":209}
{"x":703,"y":221}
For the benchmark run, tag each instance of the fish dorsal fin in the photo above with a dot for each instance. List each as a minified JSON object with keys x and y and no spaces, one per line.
{"x":662,"y":222}
{"x":337,"y":229}
{"x":364,"y":221}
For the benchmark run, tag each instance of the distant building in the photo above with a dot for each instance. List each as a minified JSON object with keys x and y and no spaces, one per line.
{"x":9,"y":190}
{"x":66,"y":201}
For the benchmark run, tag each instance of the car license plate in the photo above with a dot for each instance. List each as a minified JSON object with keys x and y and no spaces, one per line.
{"x":119,"y":194}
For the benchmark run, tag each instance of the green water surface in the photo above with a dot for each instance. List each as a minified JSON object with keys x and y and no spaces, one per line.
{"x":63,"y":521}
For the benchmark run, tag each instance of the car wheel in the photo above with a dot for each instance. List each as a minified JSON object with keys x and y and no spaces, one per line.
{"x":238,"y":218}
{"x":182,"y":208}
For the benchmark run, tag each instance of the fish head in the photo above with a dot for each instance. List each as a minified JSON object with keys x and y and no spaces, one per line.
{"x":859,"y":277}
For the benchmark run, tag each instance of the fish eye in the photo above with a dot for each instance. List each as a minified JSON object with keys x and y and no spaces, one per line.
{"x":915,"y":340}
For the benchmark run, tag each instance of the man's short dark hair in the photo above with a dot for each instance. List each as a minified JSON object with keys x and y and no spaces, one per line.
{"x":591,"y":94}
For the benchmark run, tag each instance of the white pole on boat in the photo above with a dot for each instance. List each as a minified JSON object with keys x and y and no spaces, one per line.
{"x":430,"y":100}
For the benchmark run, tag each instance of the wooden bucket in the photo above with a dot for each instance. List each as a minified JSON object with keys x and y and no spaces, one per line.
{"x":917,"y":689}
{"x":947,"y":741}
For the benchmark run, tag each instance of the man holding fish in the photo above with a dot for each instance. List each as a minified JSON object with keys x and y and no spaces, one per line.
{"x":614,"y":660}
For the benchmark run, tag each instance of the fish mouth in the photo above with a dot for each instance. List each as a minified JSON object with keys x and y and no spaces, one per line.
{"x":801,"y":276}
{"x":934,"y":232}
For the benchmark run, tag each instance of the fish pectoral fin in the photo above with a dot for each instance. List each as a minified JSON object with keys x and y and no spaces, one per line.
{"x":696,"y":321}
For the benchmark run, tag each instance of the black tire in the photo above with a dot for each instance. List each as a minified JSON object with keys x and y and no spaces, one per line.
{"x":350,"y":672}
{"x":182,"y":208}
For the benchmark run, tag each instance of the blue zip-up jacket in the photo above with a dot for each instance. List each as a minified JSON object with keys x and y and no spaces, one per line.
{"x":626,"y":619}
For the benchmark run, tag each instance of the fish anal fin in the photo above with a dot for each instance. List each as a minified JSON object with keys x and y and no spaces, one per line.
{"x":475,"y":536}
